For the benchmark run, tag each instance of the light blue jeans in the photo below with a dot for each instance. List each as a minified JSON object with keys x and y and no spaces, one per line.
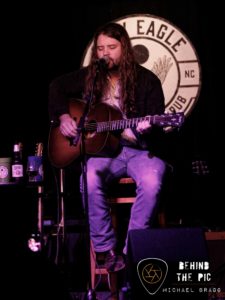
{"x":148,"y":174}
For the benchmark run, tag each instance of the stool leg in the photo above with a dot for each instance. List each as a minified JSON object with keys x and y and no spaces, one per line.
{"x":93,"y":265}
{"x":62,"y":212}
{"x":40,"y":209}
{"x":40,"y":213}
{"x":113,"y":282}
{"x":162,"y":219}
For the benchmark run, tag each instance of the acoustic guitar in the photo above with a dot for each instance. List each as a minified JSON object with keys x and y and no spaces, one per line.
{"x":101,"y":130}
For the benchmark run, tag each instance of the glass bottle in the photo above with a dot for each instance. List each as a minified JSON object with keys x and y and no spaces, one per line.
{"x":17,"y":164}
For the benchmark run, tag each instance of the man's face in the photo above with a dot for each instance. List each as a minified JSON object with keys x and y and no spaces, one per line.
{"x":110,"y":48}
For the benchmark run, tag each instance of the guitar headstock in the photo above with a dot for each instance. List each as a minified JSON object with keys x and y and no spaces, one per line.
{"x":173,"y":120}
{"x":39,"y":149}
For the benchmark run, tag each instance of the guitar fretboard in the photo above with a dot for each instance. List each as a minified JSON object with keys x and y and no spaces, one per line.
{"x":120,"y":124}
{"x":160,"y":120}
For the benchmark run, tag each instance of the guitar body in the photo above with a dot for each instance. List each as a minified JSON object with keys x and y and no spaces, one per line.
{"x":102,"y":132}
{"x":62,"y":152}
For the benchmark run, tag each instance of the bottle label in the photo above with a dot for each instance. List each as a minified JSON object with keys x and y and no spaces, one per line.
{"x":17,"y":170}
{"x":3,"y":172}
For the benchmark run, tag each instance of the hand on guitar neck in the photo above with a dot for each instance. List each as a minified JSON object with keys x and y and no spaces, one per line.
{"x":143,"y":127}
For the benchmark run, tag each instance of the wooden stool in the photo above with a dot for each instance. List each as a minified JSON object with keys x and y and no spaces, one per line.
{"x":96,"y":269}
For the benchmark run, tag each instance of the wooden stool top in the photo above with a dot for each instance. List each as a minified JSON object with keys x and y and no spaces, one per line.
{"x":126,"y":180}
{"x":122,"y":199}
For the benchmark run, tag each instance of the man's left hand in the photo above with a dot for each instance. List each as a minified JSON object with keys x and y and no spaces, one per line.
{"x":143,"y":127}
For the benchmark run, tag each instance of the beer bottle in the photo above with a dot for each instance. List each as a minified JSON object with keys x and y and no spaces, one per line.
{"x":17,"y":164}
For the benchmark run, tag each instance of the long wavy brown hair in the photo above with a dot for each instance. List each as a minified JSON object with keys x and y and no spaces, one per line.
{"x":126,"y":70}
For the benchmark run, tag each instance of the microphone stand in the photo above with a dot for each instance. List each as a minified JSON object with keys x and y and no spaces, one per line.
{"x":90,"y":294}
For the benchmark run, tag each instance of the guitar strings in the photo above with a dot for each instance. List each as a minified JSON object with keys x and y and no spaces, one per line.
{"x":165,"y":120}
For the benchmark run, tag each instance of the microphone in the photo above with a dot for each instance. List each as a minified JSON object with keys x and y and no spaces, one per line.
{"x":102,"y":62}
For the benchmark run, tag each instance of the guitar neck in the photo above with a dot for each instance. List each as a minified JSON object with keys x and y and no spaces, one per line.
{"x":122,"y":124}
{"x":175,"y":120}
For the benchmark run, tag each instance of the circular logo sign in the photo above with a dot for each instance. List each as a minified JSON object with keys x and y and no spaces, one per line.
{"x":165,"y":50}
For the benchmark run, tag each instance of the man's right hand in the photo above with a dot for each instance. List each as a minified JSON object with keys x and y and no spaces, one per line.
{"x":68,"y":126}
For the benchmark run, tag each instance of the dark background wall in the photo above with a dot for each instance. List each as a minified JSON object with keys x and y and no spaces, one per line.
{"x":40,"y":43}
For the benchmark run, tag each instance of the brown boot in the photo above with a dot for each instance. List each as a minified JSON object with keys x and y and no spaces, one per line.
{"x":114,"y":262}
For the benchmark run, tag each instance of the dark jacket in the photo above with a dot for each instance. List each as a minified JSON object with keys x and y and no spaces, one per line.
{"x":149,"y":99}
